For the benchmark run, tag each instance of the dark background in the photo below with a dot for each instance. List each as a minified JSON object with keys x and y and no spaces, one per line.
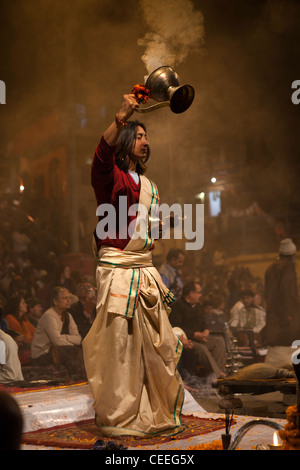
{"x":242,"y":127}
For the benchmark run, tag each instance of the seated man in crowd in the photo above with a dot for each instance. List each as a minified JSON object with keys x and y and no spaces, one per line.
{"x":214,"y":314}
{"x":209,"y":351}
{"x":170,"y":271}
{"x":282,"y":298}
{"x":213,"y":310}
{"x":245,"y":316}
{"x":10,"y":366}
{"x":56,"y":339}
{"x":84,"y":311}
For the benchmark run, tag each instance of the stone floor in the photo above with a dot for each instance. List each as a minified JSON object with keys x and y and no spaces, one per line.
{"x":69,"y":404}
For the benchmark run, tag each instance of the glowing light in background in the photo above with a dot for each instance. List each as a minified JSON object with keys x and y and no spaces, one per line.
{"x":201,"y":196}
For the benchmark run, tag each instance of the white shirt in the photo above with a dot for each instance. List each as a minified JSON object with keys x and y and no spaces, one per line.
{"x":47,"y":333}
{"x":238,"y":317}
{"x":2,"y":352}
{"x":10,"y":371}
{"x":134,"y":176}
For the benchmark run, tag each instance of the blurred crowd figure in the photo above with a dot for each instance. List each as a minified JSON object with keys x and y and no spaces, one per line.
{"x":171,"y":271}
{"x":282,"y":298}
{"x":200,"y":348}
{"x":31,"y":274}
{"x":30,"y":336}
{"x":56,"y":338}
{"x":37,"y":334}
{"x":257,"y":312}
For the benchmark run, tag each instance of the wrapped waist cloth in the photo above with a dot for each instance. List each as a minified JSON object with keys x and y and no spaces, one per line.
{"x":125,"y":276}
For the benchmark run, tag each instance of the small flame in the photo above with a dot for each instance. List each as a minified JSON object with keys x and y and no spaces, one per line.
{"x":275,"y":439}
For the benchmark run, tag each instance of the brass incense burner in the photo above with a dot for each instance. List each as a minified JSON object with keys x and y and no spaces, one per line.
{"x":164,"y":87}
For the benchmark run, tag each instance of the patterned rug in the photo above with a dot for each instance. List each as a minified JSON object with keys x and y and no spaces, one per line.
{"x":39,"y":386}
{"x":84,"y":434}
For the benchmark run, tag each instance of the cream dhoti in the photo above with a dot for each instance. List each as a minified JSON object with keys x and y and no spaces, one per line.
{"x":131,"y":352}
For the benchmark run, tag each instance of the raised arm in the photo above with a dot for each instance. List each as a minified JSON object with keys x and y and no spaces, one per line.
{"x":128,"y":105}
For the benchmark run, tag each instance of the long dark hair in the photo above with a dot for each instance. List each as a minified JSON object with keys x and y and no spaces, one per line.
{"x":12,"y":305}
{"x":125,"y":145}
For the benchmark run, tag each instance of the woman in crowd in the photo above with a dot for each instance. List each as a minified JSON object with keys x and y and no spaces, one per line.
{"x":19,"y":327}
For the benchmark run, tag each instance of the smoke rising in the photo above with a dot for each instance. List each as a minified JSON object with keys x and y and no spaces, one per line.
{"x":176,"y":29}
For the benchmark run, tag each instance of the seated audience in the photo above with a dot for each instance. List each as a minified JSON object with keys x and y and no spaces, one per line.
{"x":84,"y":311}
{"x":214,"y":314}
{"x":64,"y":278}
{"x":213,"y":310}
{"x":245,"y":315}
{"x":187,"y":314}
{"x":19,"y":327}
{"x":170,"y":271}
{"x":10,"y":366}
{"x":258,"y":303}
{"x":56,"y":339}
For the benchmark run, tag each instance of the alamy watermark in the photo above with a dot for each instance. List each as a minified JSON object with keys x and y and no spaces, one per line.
{"x":2,"y":92}
{"x":137,"y":221}
{"x":296,"y":354}
{"x":296,"y":94}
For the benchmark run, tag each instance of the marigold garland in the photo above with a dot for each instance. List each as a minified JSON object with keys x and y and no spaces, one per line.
{"x":213,"y":445}
{"x":141,"y":93}
{"x":290,"y":434}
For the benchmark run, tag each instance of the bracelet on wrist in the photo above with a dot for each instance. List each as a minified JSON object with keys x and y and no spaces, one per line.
{"x":119,"y":121}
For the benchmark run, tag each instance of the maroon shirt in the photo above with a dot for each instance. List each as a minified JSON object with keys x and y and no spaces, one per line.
{"x":109,"y":183}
